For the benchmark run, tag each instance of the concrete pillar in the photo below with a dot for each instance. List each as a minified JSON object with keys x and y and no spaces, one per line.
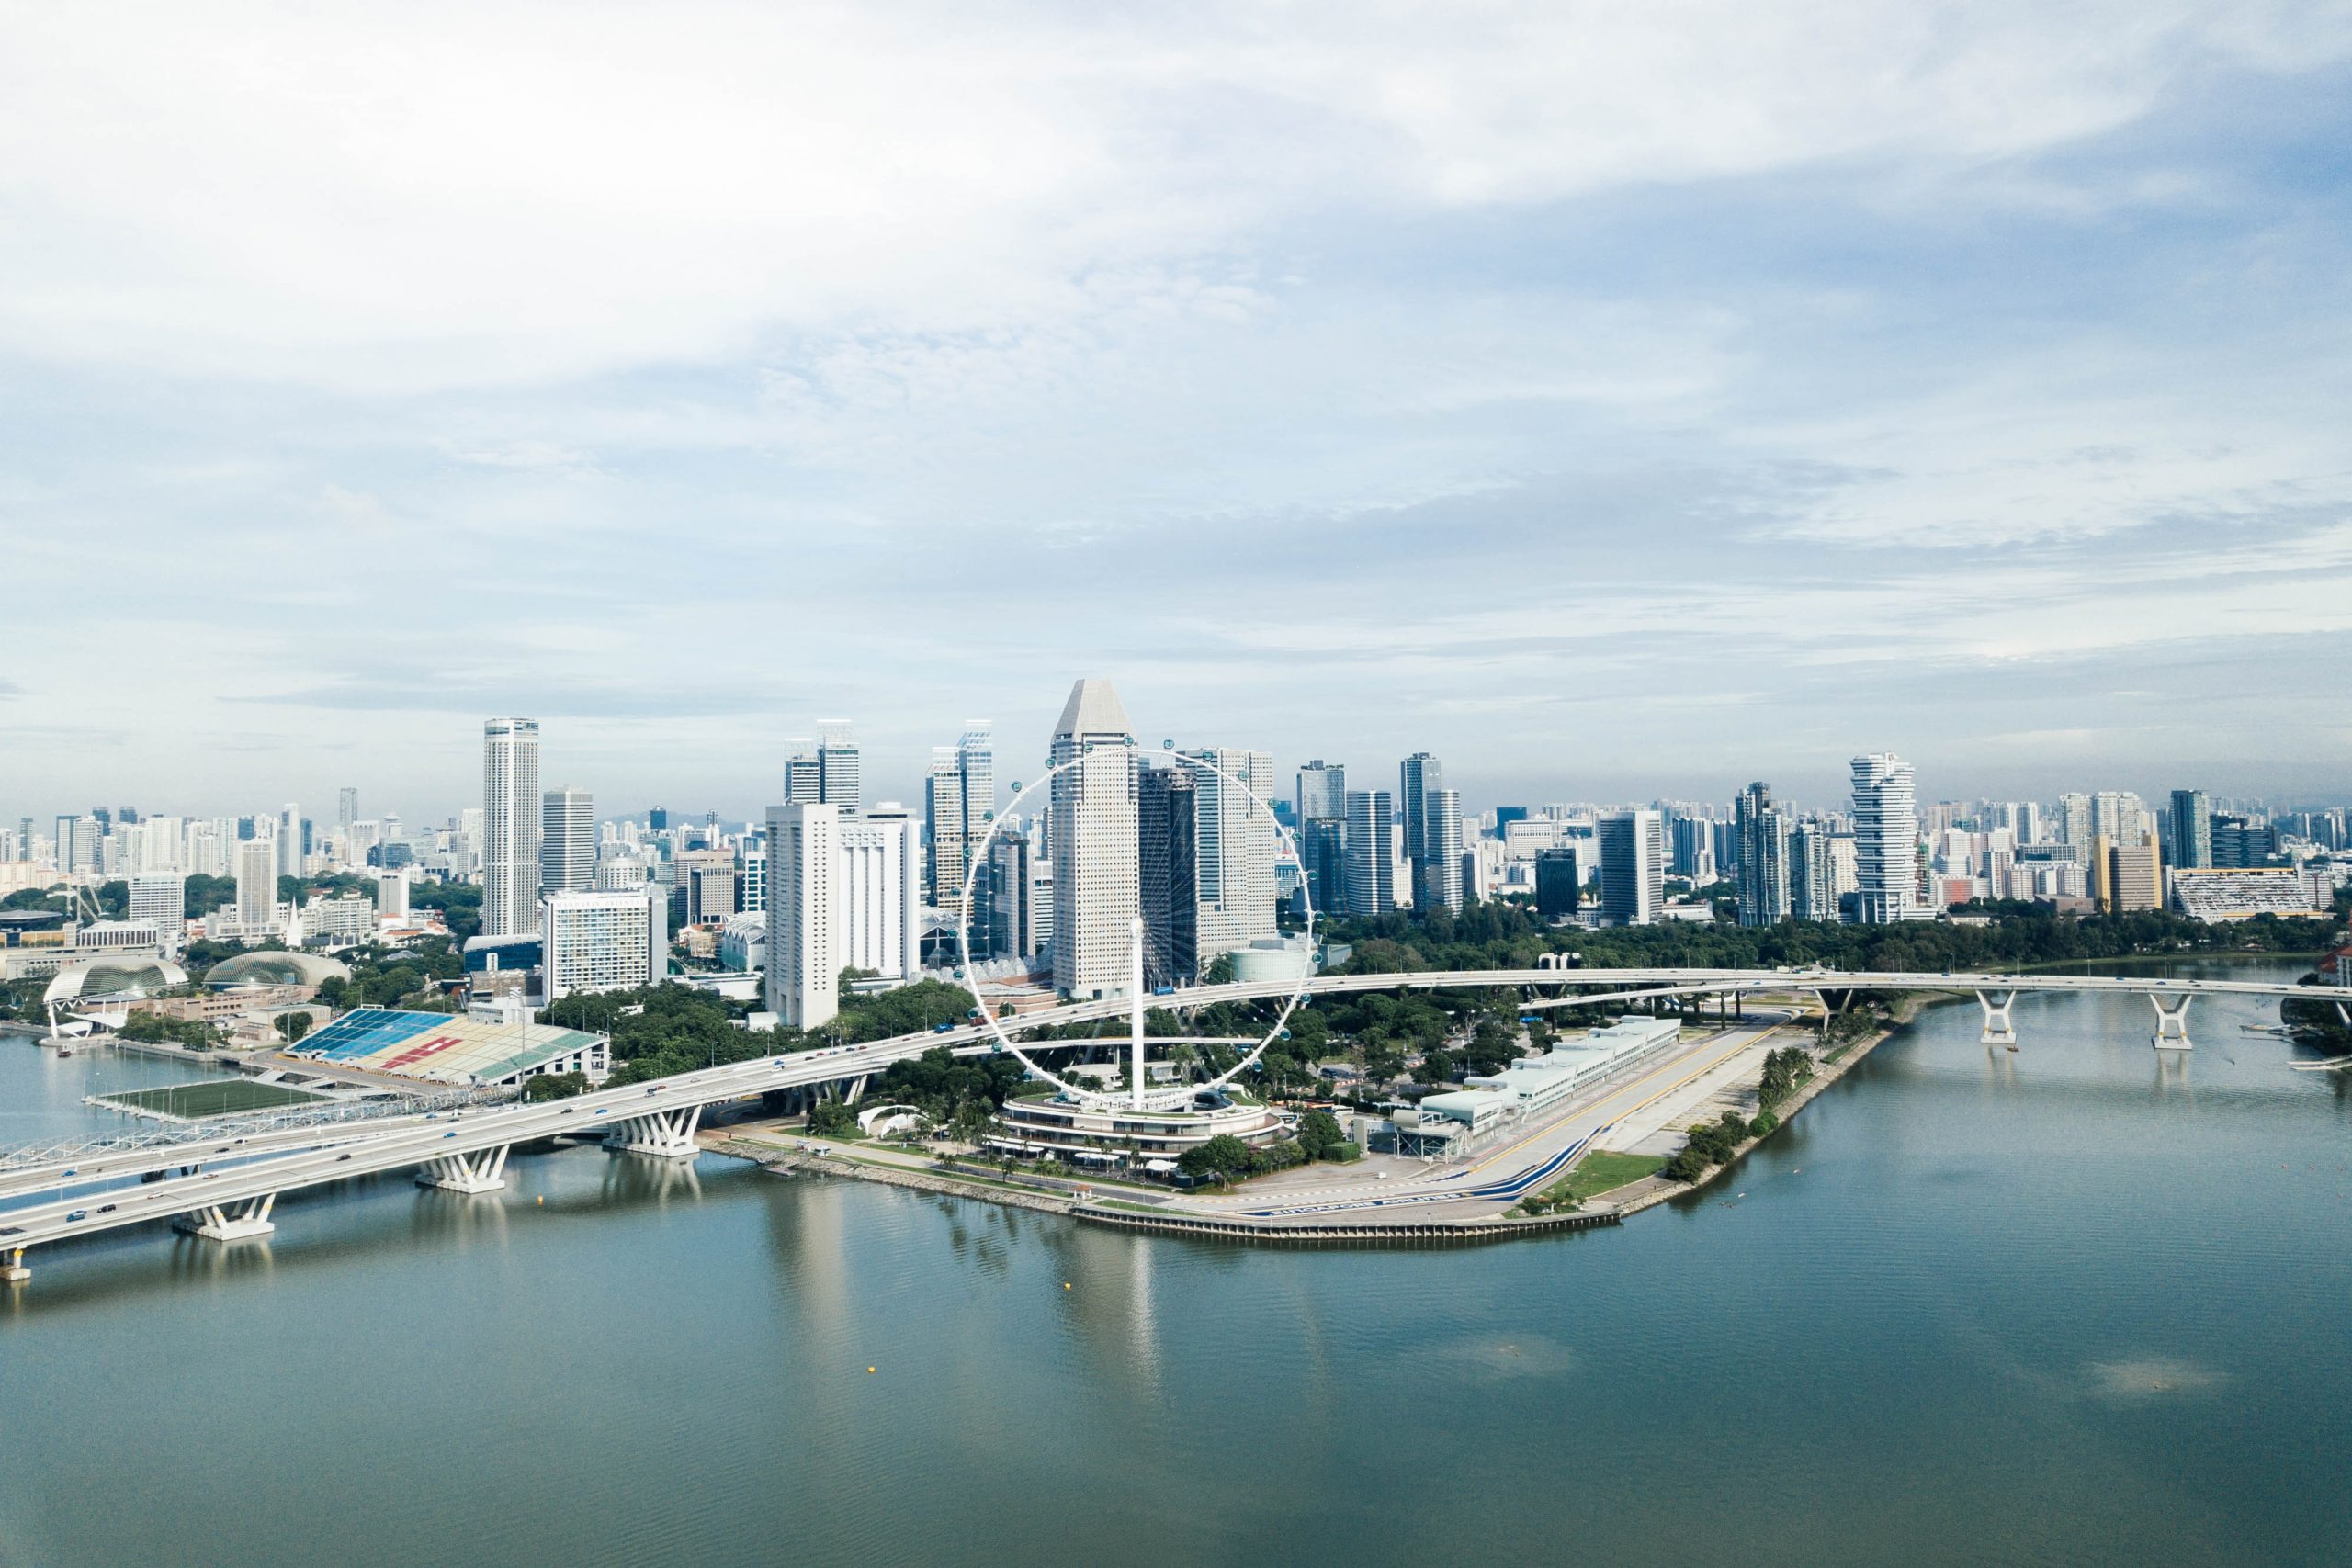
{"x":1998,"y":1029}
{"x":480,"y":1172}
{"x":2172,"y":1023}
{"x":230,"y":1222}
{"x":13,"y":1271}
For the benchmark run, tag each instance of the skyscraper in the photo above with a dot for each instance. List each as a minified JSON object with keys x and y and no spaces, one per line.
{"x":837,"y":765}
{"x":1092,"y":836}
{"x":1372,"y":873}
{"x":289,"y":839}
{"x":959,"y":802}
{"x":2192,"y":829}
{"x":164,"y":900}
{"x":346,"y":809}
{"x":257,"y":887}
{"x":800,"y":771}
{"x":879,"y":896}
{"x":567,"y":841}
{"x":1235,"y":838}
{"x":602,"y":941}
{"x":1765,"y":894}
{"x":1632,"y":866}
{"x":1417,"y":776}
{"x":1440,"y":877}
{"x":1886,"y":841}
{"x":1323,"y":835}
{"x":1813,"y":878}
{"x":1559,"y":883}
{"x":804,"y":971}
{"x":1168,"y":873}
{"x":510,"y":816}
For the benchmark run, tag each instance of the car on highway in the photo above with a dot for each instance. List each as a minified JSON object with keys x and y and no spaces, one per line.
{"x":106,"y":1208}
{"x":77,"y":1215}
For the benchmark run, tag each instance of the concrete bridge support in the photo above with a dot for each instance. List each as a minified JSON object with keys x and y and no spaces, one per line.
{"x":667,"y":1134}
{"x":2172,"y":1023}
{"x":13,"y":1271}
{"x":230,"y":1222}
{"x":1998,"y":1029}
{"x":481,"y":1171}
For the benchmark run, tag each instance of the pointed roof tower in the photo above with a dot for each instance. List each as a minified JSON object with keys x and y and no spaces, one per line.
{"x":1094,"y":709}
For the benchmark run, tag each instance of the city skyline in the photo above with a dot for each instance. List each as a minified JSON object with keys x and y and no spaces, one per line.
{"x":1995,"y":436}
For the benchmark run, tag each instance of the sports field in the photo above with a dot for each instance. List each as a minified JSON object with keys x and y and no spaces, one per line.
{"x":221,"y":1096}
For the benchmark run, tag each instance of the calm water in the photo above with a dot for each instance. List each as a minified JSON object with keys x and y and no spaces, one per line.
{"x":2067,"y":1306}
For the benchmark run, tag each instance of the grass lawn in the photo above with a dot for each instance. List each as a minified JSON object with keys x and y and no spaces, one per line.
{"x":221,"y":1097}
{"x":1604,"y":1172}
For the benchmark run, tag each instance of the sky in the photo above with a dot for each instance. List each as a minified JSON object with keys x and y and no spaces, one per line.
{"x":1618,"y":400}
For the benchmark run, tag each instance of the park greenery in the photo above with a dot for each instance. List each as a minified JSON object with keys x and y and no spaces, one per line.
{"x":154,"y":1028}
{"x":659,"y":1030}
{"x":555,"y":1086}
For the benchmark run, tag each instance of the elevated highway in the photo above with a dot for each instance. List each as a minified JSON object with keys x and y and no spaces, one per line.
{"x":467,"y":1152}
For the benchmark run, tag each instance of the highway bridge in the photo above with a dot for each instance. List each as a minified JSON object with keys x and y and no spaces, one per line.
{"x":467,"y":1151}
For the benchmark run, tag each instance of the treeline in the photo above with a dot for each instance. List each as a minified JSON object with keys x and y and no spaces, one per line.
{"x":414,"y":976}
{"x":1505,"y":936}
{"x":660,"y":1030}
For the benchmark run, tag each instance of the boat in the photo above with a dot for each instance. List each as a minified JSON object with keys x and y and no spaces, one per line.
{"x":2331,"y":1064}
{"x":2264,"y":1029}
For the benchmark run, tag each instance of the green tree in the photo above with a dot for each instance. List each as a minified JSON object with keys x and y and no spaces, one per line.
{"x":1223,"y":1156}
{"x":554,"y":1086}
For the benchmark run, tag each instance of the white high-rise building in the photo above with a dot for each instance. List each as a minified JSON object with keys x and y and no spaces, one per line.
{"x":1632,"y":866}
{"x":837,"y":765}
{"x":289,"y":839}
{"x":1233,"y":847}
{"x":803,"y":945}
{"x":567,"y":841}
{"x":878,"y":901}
{"x":1442,"y":876}
{"x":602,"y":941}
{"x":257,"y":887}
{"x":391,"y":894}
{"x":800,"y":783}
{"x":163,"y":901}
{"x":1886,"y":841}
{"x":509,"y":827}
{"x":1092,"y":827}
{"x":1371,"y":864}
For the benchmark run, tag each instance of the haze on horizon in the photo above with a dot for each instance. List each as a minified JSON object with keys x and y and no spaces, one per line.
{"x":1616,"y":402}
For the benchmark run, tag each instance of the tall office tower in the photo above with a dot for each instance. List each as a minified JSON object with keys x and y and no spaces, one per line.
{"x":1632,"y":867}
{"x":289,"y":839}
{"x":1020,"y":901}
{"x":707,"y":881}
{"x":1168,"y":814}
{"x":2117,"y":815}
{"x":1417,"y":775}
{"x":567,"y":841}
{"x":1766,"y":897}
{"x":391,"y":894}
{"x":800,"y":771}
{"x":878,"y":910}
{"x":2075,"y":825}
{"x":1322,"y":835}
{"x":1691,"y":846}
{"x":1442,"y":886}
{"x":1236,"y":838}
{"x":751,"y":875}
{"x":975,"y":758}
{"x":1092,"y":843}
{"x":73,"y":844}
{"x":837,"y":765}
{"x":1813,"y":879}
{"x":257,"y":887}
{"x":602,"y":941}
{"x":346,"y":809}
{"x":2192,"y":829}
{"x":947,"y":850}
{"x":1559,"y":883}
{"x":2125,"y":877}
{"x":509,"y":827}
{"x":804,"y":855}
{"x":1886,"y":841}
{"x":1372,"y":871}
{"x":162,"y":899}
{"x":657,"y":819}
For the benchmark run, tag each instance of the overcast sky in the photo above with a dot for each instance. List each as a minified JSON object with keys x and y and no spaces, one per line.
{"x":1616,"y":400}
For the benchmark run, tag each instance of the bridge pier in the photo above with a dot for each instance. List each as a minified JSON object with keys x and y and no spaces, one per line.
{"x":1998,"y":1029}
{"x":13,"y":1271}
{"x":230,"y":1222}
{"x":2172,"y":1024}
{"x":482,"y":1171}
{"x":669,"y":1134}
